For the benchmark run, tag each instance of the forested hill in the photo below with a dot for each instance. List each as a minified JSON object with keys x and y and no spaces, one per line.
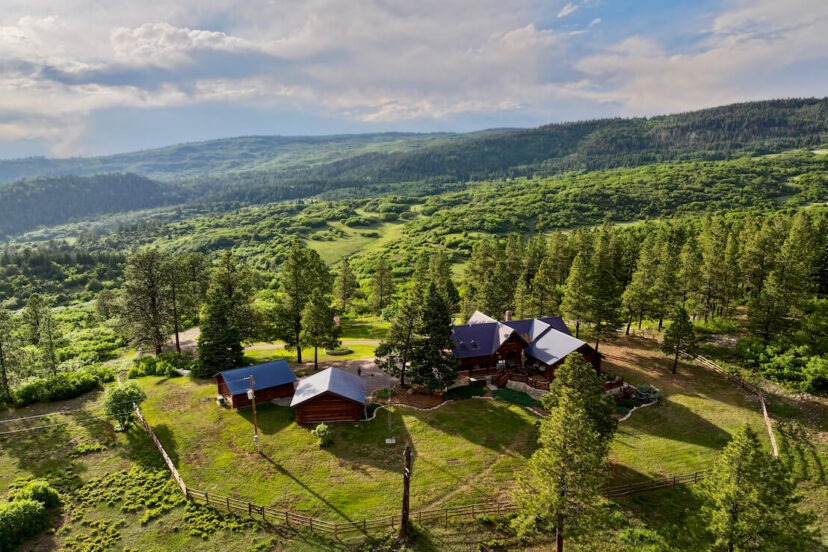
{"x":225,"y":156}
{"x":29,"y":204}
{"x":337,"y":161}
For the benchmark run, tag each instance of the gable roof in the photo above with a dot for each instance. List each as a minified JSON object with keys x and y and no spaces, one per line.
{"x":557,"y":323}
{"x":480,"y":318}
{"x":331,"y":380}
{"x":530,"y":329}
{"x":265,"y":376}
{"x":480,"y":339}
{"x":552,"y":346}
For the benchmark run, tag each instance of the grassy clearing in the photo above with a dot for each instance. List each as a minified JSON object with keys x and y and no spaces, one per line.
{"x":364,"y":328}
{"x":457,"y":459}
{"x":358,"y":240}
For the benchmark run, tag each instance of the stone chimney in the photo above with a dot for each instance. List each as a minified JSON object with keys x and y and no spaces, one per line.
{"x":507,"y":316}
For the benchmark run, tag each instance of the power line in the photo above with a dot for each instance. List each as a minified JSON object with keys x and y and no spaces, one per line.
{"x":85,"y":422}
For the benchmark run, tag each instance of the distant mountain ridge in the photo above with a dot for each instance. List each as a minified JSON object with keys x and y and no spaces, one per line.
{"x":223,"y":174}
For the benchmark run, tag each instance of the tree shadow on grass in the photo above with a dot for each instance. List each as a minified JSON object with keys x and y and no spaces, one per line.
{"x":487,"y":423}
{"x":361,"y":444}
{"x":670,"y":420}
{"x":283,"y":471}
{"x":673,"y":513}
{"x":271,"y":418}
{"x":42,"y":452}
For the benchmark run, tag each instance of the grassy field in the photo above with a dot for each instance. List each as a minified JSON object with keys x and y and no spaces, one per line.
{"x":458,"y":460}
{"x":357,"y":240}
{"x":266,"y":352}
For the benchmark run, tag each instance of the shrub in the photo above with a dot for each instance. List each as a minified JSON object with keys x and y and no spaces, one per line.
{"x":38,"y":490}
{"x":647,"y":394}
{"x":19,"y":520}
{"x":166,"y":364}
{"x":384,"y":393}
{"x":119,"y":400}
{"x":63,"y":386}
{"x":324,"y":434}
{"x":461,"y":393}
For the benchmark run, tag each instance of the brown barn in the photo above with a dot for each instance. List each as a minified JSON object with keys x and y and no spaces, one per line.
{"x":271,"y":381}
{"x":329,"y":396}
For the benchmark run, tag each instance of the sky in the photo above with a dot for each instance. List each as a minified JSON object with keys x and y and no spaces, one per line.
{"x":93,"y":77}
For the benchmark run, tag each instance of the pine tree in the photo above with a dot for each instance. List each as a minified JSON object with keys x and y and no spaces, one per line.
{"x":432,"y":363}
{"x":637,"y":298}
{"x":301,"y":273}
{"x":439,"y":272}
{"x":393,"y":354}
{"x":346,"y":285}
{"x":575,"y":304}
{"x":679,"y":336}
{"x":318,"y":328}
{"x":545,"y":297}
{"x":9,"y":353}
{"x":186,"y":284}
{"x":751,"y":503}
{"x":604,"y":287}
{"x":382,"y":286}
{"x":146,"y":301}
{"x":33,"y":313}
{"x":561,"y":486}
{"x":579,"y":378}
{"x":228,"y":318}
{"x":689,"y":279}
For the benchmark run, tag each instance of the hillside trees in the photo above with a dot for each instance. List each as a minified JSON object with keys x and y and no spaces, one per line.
{"x":346,"y":285}
{"x":576,"y":297}
{"x":146,"y":302}
{"x":432,"y":363}
{"x":187,"y":278}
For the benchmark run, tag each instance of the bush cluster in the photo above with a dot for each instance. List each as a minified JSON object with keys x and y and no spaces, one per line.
{"x":324,"y":434}
{"x":67,"y":385}
{"x":26,"y":514}
{"x":166,"y":364}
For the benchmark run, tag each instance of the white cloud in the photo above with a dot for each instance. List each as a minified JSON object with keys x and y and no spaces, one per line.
{"x":744,"y":57}
{"x":594,"y":22}
{"x":567,"y":10}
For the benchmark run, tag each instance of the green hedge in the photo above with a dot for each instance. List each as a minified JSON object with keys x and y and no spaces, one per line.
{"x":38,"y":490}
{"x":166,"y":364}
{"x":67,"y":385}
{"x":19,"y":520}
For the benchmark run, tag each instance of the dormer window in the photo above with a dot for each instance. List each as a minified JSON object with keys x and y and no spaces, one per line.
{"x":474,"y":344}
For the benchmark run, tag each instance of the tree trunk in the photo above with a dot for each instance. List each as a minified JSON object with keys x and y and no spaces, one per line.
{"x":315,"y":357}
{"x":675,"y":361}
{"x":297,"y":327}
{"x":4,"y":380}
{"x":640,"y":318}
{"x":629,"y":322}
{"x":577,"y":328}
{"x":660,"y":323}
{"x":559,"y":541}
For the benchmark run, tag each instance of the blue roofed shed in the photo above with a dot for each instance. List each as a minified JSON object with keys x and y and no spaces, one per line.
{"x":331,"y":395}
{"x":270,"y":380}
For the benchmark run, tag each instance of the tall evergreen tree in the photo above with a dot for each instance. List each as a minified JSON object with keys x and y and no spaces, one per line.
{"x":33,"y":313}
{"x":575,"y":304}
{"x":302,"y":272}
{"x":432,"y":363}
{"x":393,"y":354}
{"x":637,"y":298}
{"x":228,"y":318}
{"x":9,"y":353}
{"x":545,"y":297}
{"x":679,"y":336}
{"x":751,"y":502}
{"x":346,"y":285}
{"x":318,"y":328}
{"x":439,"y":272}
{"x":382,"y":286}
{"x":186,"y":284}
{"x":604,"y":287}
{"x":560,"y":489}
{"x":146,"y":301}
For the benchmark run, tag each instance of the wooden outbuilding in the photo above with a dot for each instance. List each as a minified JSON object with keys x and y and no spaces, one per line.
{"x":329,"y":396}
{"x":271,"y":380}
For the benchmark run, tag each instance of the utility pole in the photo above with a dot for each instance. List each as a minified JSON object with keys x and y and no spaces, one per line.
{"x":251,"y":394}
{"x":406,"y":484}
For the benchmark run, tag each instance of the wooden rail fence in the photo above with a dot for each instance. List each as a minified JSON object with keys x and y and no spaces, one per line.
{"x":747,"y":386}
{"x":176,"y":476}
{"x":653,"y":484}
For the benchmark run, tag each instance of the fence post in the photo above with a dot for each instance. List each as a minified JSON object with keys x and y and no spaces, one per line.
{"x":311,"y":523}
{"x":287,"y":519}
{"x":228,"y":504}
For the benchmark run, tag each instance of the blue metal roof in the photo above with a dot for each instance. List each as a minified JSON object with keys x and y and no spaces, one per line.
{"x":265,"y":376}
{"x":480,"y":338}
{"x":332,"y":380}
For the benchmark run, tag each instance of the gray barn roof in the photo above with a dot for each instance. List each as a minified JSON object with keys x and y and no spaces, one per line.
{"x":332,"y":380}
{"x":552,"y":346}
{"x":265,"y":376}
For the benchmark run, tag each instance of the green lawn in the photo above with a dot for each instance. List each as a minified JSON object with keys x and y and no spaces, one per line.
{"x":266,"y":353}
{"x":364,"y":328}
{"x":458,"y":460}
{"x":356,"y":242}
{"x":692,"y":422}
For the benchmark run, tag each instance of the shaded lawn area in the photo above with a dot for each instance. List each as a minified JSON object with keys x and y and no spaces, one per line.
{"x":458,"y":459}
{"x":693,"y":421}
{"x":364,"y":328}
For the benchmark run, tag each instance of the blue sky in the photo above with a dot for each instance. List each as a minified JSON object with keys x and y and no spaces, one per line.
{"x":79,"y":79}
